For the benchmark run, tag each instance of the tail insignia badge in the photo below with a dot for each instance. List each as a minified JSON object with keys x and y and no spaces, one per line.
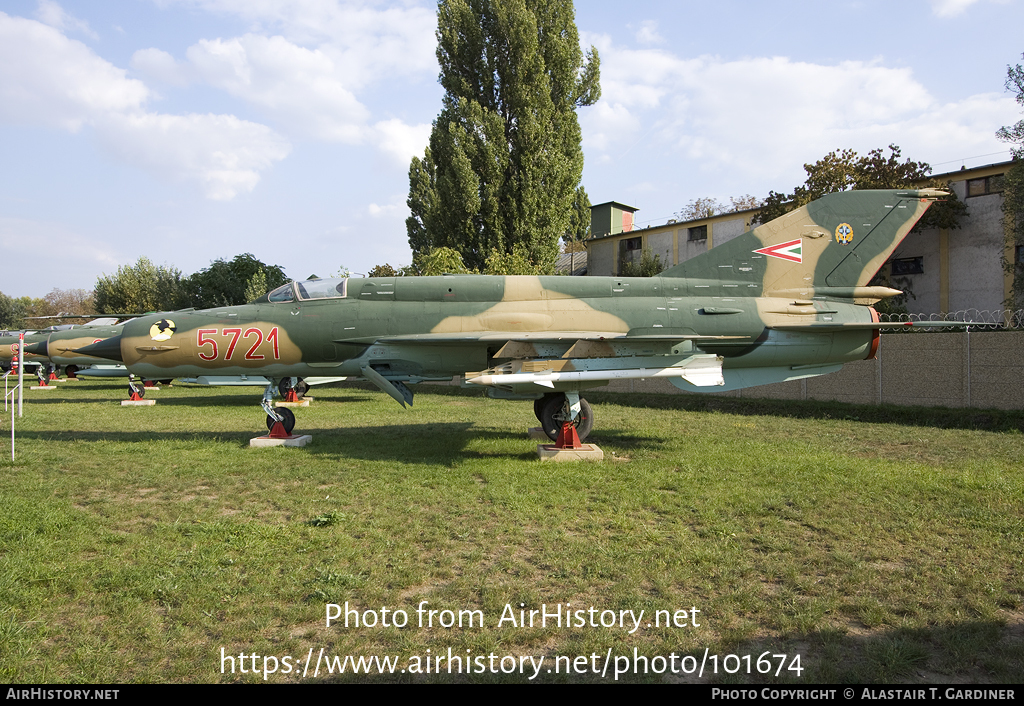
{"x":790,"y":251}
{"x":844,"y":234}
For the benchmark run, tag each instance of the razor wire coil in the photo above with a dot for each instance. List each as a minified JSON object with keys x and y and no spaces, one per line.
{"x":989,"y":320}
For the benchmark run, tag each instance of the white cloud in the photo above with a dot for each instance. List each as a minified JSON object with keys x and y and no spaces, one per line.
{"x":303,"y":89}
{"x":397,"y":208}
{"x":401,"y":141}
{"x":224,"y":154}
{"x":49,"y":79}
{"x":648,"y":33}
{"x":371,"y":39}
{"x":763,"y":115}
{"x":49,"y":12}
{"x":950,"y":8}
{"x":158,"y":65}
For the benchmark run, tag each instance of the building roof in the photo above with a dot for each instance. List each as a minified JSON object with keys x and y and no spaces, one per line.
{"x":577,"y":261}
{"x":616,"y":204}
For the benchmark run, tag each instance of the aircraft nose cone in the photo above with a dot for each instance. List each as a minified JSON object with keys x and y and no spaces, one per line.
{"x":37,"y":348}
{"x":109,"y":348}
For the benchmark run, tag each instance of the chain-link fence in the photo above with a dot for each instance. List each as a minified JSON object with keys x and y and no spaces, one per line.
{"x":991,"y":320}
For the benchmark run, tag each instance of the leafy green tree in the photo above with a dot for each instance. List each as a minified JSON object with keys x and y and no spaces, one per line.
{"x":384,"y":270}
{"x":707,"y":207}
{"x":515,"y":263}
{"x":257,"y":286}
{"x":701,"y":208}
{"x":504,"y":160}
{"x":437,"y":261}
{"x":138,"y":288}
{"x":225,"y":283}
{"x":579,"y":223}
{"x":1013,"y":192}
{"x":77,"y":302}
{"x":12,"y":313}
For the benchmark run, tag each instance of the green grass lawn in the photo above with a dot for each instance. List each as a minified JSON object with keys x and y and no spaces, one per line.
{"x":879,"y":544}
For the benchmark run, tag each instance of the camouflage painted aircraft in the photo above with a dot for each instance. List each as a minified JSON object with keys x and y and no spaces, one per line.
{"x":9,"y":346}
{"x":786,"y":300}
{"x":58,"y":348}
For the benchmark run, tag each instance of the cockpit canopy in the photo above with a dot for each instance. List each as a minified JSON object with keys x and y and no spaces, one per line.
{"x":334,"y":288}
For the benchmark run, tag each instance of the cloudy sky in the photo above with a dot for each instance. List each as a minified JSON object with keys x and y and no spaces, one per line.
{"x":187,"y":130}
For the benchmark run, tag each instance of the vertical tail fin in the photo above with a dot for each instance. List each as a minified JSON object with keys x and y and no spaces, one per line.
{"x":837,"y":242}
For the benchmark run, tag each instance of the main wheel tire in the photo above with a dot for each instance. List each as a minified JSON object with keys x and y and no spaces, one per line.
{"x":284,"y":386}
{"x":70,"y":371}
{"x":287,"y":419}
{"x":554,"y":413}
{"x":301,"y":388}
{"x":540,"y":402}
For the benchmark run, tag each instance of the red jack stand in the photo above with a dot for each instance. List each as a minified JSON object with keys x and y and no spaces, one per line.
{"x":277,"y":432}
{"x":568,"y":438}
{"x":149,"y":383}
{"x":292,"y":396}
{"x":135,"y":397}
{"x":53,"y":376}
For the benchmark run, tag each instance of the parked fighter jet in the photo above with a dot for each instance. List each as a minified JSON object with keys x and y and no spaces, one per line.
{"x":58,"y":346}
{"x":9,"y":347}
{"x":786,"y":300}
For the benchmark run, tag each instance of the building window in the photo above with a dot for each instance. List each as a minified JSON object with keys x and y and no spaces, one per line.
{"x":633,"y":244}
{"x":985,"y":185}
{"x":908,"y":266}
{"x":698,"y":233}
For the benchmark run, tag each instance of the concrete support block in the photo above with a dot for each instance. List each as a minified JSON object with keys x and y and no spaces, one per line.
{"x":589,"y":452}
{"x":293,"y":440}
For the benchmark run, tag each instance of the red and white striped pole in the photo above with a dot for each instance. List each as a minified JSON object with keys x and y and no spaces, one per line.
{"x":21,"y":372}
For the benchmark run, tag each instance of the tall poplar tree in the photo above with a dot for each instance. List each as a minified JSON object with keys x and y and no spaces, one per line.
{"x":504,"y":160}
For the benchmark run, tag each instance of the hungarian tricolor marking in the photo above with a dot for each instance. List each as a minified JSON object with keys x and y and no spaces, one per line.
{"x":790,"y":251}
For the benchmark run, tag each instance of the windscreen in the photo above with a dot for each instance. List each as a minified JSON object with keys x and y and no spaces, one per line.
{"x":322,"y":288}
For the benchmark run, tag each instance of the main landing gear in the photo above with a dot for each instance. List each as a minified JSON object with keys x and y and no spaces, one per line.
{"x":555,"y":410}
{"x":292,"y":389}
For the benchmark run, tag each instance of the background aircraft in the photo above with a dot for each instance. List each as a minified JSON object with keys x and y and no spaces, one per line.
{"x":784,"y":301}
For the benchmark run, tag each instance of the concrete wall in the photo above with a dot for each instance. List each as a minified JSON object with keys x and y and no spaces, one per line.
{"x":962,"y":268}
{"x":974,"y":252}
{"x":660,"y":244}
{"x":982,"y":369}
{"x":724,"y":231}
{"x":690,"y":248}
{"x":601,"y":258}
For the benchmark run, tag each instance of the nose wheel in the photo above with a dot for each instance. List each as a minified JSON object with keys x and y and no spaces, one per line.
{"x":287,"y":419}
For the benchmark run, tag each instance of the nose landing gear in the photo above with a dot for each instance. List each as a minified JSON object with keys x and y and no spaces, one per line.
{"x":280,"y":420}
